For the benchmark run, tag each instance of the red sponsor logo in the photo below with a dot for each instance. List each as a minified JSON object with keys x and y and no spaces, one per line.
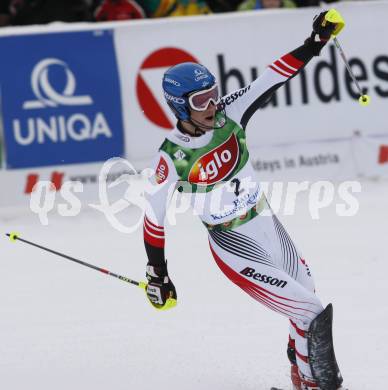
{"x":303,"y":261}
{"x":161,"y":58}
{"x":217,"y":164}
{"x":383,"y":154}
{"x":161,"y":171}
{"x":56,"y":179}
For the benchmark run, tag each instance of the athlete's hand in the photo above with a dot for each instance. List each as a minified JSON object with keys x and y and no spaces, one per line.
{"x":160,"y":289}
{"x":327,"y":23}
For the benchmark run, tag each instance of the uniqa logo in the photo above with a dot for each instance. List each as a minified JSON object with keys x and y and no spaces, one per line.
{"x":47,"y":96}
{"x":199,"y":75}
{"x":57,"y":128}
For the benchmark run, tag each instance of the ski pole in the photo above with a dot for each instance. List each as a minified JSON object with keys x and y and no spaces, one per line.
{"x":15,"y":237}
{"x":333,"y":16}
{"x":364,"y":100}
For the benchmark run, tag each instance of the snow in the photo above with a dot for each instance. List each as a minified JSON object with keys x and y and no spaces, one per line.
{"x":64,"y":326}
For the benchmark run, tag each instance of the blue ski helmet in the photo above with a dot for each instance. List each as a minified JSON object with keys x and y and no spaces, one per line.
{"x":181,"y":80}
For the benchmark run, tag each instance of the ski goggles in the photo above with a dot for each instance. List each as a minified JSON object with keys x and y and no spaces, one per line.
{"x":199,"y":101}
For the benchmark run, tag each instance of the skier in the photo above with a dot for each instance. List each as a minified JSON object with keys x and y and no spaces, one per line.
{"x":206,"y":155}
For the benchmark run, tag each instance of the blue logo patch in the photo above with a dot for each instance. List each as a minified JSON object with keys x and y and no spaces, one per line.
{"x":60,"y":99}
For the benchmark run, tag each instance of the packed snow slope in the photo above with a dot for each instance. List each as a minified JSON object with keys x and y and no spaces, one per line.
{"x":64,"y":326}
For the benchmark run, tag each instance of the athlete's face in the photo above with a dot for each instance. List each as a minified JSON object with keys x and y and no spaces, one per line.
{"x":205,"y":118}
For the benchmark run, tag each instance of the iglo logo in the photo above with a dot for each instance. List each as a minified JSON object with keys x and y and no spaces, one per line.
{"x":46,"y":95}
{"x":217,"y":164}
{"x":162,"y":58}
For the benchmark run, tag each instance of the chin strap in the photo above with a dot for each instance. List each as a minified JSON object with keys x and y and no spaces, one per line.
{"x":198,"y":126}
{"x":197,"y":131}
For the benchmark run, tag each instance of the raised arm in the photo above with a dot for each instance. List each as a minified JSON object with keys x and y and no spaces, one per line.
{"x":240,"y":105}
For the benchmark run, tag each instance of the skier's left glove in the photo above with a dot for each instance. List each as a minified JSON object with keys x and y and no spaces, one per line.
{"x":160,"y":289}
{"x":327,"y":24}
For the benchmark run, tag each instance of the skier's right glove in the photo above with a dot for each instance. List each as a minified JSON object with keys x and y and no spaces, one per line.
{"x":160,"y":289}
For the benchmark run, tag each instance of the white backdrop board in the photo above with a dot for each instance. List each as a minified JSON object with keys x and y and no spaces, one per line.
{"x":306,"y":132}
{"x":317,"y":104}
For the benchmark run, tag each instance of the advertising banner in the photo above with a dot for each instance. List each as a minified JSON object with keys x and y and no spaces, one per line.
{"x":60,"y":98}
{"x":1,"y":151}
{"x":320,"y":103}
{"x":371,"y":156}
{"x":328,"y":160}
{"x":72,"y":96}
{"x":64,"y":184}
